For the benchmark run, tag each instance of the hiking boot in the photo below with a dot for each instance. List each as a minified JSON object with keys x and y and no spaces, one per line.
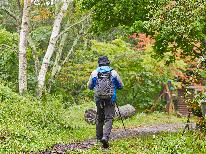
{"x":105,"y":143}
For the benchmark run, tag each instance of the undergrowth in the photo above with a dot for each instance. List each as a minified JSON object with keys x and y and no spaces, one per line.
{"x":27,"y":124}
{"x":163,"y":143}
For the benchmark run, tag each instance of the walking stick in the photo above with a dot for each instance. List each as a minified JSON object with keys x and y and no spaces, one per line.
{"x":188,"y":121}
{"x":120,"y":116}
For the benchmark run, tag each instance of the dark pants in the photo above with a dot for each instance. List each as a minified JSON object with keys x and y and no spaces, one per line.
{"x":105,"y":115}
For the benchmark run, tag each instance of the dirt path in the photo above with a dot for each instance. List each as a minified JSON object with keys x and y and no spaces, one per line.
{"x":117,"y":134}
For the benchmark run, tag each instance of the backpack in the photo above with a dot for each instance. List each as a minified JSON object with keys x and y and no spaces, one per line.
{"x":104,"y":88}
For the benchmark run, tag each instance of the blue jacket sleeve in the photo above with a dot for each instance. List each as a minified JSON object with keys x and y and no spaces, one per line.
{"x":117,"y":83}
{"x":92,"y":83}
{"x":117,"y":80}
{"x":92,"y":80}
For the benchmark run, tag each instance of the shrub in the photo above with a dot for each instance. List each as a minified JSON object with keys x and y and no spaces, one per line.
{"x":27,"y":124}
{"x":142,"y":75}
{"x":8,"y":56}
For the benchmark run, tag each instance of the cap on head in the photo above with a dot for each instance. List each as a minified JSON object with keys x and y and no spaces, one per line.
{"x":103,"y":61}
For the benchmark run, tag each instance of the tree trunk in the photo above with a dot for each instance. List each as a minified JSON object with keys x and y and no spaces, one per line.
{"x":57,"y":67}
{"x":58,"y":56}
{"x":126,"y":111}
{"x":50,"y":49}
{"x":22,"y":49}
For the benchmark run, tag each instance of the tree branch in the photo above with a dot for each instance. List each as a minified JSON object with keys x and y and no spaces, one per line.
{"x":64,"y":31}
{"x":58,"y":67}
{"x":10,"y":13}
{"x":74,"y":44}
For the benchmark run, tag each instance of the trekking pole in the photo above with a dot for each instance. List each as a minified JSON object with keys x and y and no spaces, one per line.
{"x":188,"y":121}
{"x":121,"y":117}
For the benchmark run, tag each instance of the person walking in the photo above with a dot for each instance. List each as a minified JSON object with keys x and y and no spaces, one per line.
{"x":105,"y":81}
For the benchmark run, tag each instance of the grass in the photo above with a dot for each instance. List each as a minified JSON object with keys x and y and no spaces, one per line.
{"x":29,"y":125}
{"x":142,"y":119}
{"x":163,"y":143}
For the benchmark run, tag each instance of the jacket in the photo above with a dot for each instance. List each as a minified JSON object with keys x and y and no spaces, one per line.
{"x":118,"y":84}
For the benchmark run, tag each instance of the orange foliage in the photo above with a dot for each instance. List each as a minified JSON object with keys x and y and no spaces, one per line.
{"x":142,"y":40}
{"x":171,"y":5}
{"x":193,"y":80}
{"x":43,"y":14}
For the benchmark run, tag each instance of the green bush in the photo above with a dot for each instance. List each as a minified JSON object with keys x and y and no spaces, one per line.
{"x":174,"y":143}
{"x":8,"y":56}
{"x":142,"y":75}
{"x":29,"y":125}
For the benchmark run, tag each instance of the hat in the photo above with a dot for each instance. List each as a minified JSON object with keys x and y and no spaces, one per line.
{"x":103,"y":61}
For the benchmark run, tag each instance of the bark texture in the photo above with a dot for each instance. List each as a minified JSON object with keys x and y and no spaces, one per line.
{"x":51,"y":48}
{"x":22,"y":49}
{"x":126,"y":111}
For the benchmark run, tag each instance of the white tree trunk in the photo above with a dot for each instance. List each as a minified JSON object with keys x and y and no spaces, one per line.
{"x":58,"y":56}
{"x":60,"y":51}
{"x":22,"y":49}
{"x":58,"y":66}
{"x":50,"y":49}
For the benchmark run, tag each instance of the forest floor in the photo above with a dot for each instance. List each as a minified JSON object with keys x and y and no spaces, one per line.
{"x":119,"y":134}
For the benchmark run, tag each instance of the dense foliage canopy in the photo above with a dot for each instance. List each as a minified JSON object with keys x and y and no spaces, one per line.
{"x":175,"y":25}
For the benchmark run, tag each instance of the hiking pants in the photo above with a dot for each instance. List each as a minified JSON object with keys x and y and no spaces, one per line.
{"x":104,"y":119}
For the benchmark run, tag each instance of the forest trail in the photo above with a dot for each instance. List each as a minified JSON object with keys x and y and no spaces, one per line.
{"x":118,"y":134}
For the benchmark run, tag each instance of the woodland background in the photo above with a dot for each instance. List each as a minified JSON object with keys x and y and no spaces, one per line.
{"x":48,"y":48}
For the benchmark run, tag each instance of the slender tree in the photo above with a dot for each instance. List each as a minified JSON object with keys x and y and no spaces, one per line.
{"x":59,"y":63}
{"x":59,"y":54}
{"x":51,"y":47}
{"x":22,"y":48}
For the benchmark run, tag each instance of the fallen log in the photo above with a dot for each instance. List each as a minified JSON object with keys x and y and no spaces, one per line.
{"x":126,"y":111}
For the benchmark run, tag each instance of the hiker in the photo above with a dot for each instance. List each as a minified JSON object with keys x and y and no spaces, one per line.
{"x":104,"y":80}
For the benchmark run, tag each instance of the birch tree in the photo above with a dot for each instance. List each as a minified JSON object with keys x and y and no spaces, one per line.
{"x":51,"y":47}
{"x":58,"y":55}
{"x":58,"y":66}
{"x":22,"y":48}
